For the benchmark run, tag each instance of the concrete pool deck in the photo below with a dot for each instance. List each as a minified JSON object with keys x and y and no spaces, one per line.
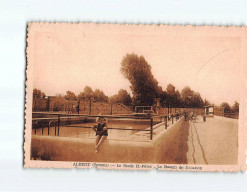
{"x":112,"y":150}
{"x":185,"y":142}
{"x":213,"y":142}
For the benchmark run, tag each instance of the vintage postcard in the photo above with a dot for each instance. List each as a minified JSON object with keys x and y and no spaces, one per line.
{"x":138,"y":97}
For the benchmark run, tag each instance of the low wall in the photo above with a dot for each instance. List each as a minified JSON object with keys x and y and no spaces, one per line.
{"x":165,"y":143}
{"x":122,"y":151}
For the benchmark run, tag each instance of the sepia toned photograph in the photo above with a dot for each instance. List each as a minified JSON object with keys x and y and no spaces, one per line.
{"x":117,"y":96}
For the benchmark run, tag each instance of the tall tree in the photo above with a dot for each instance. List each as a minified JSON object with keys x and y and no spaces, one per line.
{"x":235,"y":107}
{"x":122,"y":97}
{"x":173,"y":96}
{"x":70,"y":95}
{"x":86,"y":94}
{"x":99,"y":95}
{"x":206,"y":102}
{"x":38,"y":93}
{"x":226,"y":107}
{"x":170,"y":89}
{"x":144,"y":86}
{"x":197,"y":101}
{"x":191,"y":98}
{"x":177,"y":99}
{"x":186,"y":96}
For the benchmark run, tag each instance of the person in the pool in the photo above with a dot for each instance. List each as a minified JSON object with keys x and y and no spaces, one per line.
{"x":101,"y":132}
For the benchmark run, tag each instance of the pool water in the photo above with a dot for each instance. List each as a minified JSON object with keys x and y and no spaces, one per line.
{"x":90,"y":133}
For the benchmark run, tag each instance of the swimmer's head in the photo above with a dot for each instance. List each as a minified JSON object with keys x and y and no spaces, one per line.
{"x":102,"y":120}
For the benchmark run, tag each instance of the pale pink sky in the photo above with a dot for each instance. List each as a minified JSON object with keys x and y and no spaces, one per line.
{"x":71,"y":57}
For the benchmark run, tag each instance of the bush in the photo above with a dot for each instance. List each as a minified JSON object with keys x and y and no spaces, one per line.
{"x":34,"y":153}
{"x":47,"y":155}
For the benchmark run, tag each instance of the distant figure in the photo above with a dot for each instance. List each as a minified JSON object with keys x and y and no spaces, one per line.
{"x":185,"y":115}
{"x":192,"y":115}
{"x":101,"y":132}
{"x":78,"y":109}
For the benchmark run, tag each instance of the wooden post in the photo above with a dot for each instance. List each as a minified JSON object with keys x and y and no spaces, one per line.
{"x":58,"y":124}
{"x":151,"y":129}
{"x":42,"y":127}
{"x":55,"y":129}
{"x":35,"y":127}
{"x":166,"y":122}
{"x":90,"y":104}
{"x":49,"y":128}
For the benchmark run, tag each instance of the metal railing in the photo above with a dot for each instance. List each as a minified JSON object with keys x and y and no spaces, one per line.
{"x":58,"y":120}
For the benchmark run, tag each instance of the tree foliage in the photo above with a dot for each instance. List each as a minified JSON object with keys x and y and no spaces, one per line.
{"x":206,"y":102}
{"x":226,"y":106}
{"x":88,"y":93}
{"x":144,"y":86}
{"x":99,"y":95}
{"x":70,"y":95}
{"x":38,"y":93}
{"x":235,"y":107}
{"x":173,"y":97}
{"x":122,"y":97}
{"x":230,"y":109}
{"x":191,"y":98}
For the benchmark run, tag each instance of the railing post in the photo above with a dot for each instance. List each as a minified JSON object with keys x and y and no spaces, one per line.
{"x":48,"y":132}
{"x":55,"y":129}
{"x":90,"y":105}
{"x":35,"y":127}
{"x":166,"y":122}
{"x":42,"y":127}
{"x":49,"y":127}
{"x":58,"y":124}
{"x":151,"y":129}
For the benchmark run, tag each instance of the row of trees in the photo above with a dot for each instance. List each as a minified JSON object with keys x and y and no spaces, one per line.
{"x":121,"y":97}
{"x":38,"y":94}
{"x":230,"y":109}
{"x":145,"y":89}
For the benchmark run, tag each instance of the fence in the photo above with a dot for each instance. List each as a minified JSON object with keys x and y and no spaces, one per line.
{"x":59,"y":104}
{"x":231,"y":115}
{"x":57,"y":120}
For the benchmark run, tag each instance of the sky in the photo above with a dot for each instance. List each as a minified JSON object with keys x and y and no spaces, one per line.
{"x":72,"y":57}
